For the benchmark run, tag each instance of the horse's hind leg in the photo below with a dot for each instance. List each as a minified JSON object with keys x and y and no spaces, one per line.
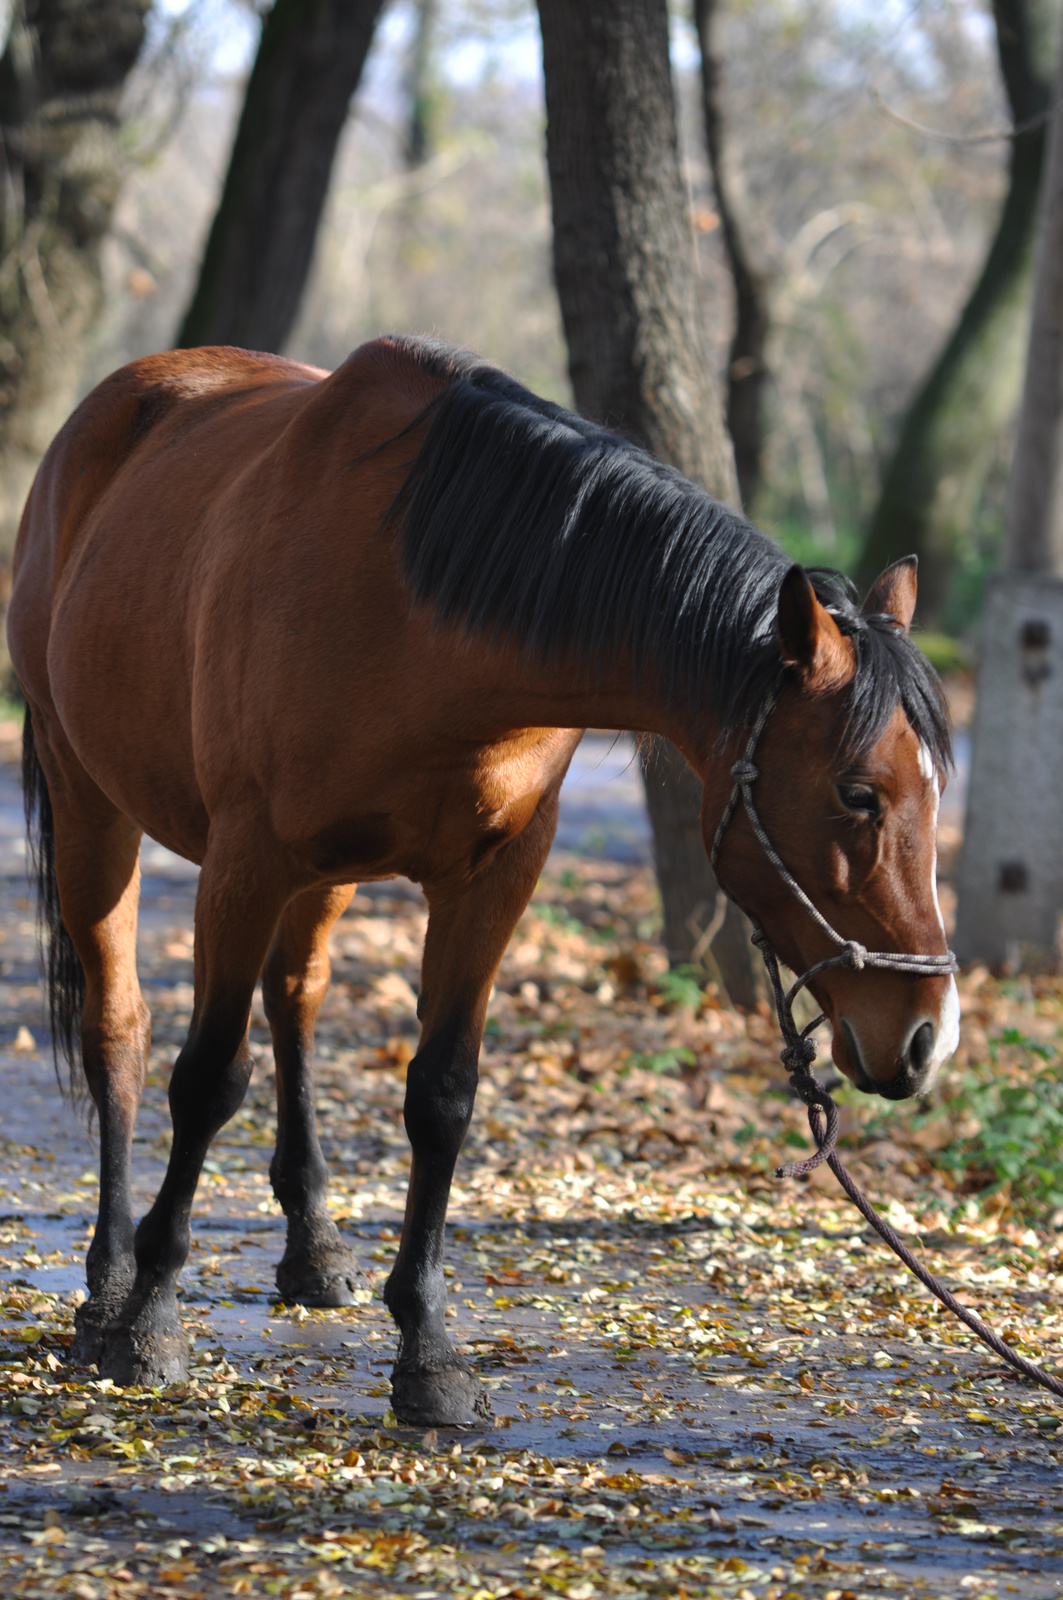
{"x":467,"y":935}
{"x":98,"y":878}
{"x":237,"y":909}
{"x":317,"y":1269}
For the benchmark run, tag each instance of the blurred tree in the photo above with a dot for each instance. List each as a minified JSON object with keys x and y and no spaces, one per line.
{"x":419,"y":84}
{"x":625,"y":272}
{"x":61,"y":79}
{"x":261,"y":243}
{"x":747,"y":371}
{"x":933,"y":479}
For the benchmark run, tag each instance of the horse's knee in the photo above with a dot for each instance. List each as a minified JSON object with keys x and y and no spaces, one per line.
{"x":114,"y":1052}
{"x":287,"y":993}
{"x":209,"y":1081}
{"x":440,"y":1095}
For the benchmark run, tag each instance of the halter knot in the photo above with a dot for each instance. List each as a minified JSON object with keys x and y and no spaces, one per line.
{"x":797,"y":1058}
{"x":808,"y":1088}
{"x":854,"y":955}
{"x":744,"y":772}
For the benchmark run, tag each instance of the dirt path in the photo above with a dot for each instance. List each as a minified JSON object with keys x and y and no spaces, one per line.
{"x":703,"y":1382}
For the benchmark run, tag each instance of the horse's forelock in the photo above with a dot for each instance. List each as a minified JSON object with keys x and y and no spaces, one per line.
{"x":891,"y":671}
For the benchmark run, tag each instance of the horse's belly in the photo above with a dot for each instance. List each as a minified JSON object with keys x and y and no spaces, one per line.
{"x":123,"y":703}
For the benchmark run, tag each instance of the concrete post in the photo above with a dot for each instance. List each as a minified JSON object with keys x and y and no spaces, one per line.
{"x":1011,"y":866}
{"x":1010,"y":887}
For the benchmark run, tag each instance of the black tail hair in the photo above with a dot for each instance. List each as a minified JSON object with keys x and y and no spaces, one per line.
{"x":61,"y":963}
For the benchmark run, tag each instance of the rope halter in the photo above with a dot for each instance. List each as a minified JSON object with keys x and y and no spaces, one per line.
{"x":800,"y":1050}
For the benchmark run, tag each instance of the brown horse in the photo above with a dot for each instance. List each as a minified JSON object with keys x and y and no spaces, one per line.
{"x":311,"y":630}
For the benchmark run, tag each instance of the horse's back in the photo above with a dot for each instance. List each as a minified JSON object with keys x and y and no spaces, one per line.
{"x":199,"y":581}
{"x":120,"y":421}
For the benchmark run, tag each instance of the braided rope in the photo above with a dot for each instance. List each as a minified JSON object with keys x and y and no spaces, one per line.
{"x":799,"y":1052}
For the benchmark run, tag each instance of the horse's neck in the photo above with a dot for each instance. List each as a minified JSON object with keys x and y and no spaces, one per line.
{"x":575,"y":697}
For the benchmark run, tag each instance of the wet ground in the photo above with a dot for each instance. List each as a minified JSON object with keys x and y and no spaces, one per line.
{"x":702,"y":1382}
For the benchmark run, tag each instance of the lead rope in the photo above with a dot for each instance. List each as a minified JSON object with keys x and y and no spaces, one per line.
{"x":799,"y":1050}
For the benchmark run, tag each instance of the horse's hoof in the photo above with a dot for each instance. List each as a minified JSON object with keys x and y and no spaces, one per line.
{"x":329,"y":1279}
{"x":427,"y":1397}
{"x":87,"y":1345}
{"x":91,"y":1320}
{"x":149,"y":1359}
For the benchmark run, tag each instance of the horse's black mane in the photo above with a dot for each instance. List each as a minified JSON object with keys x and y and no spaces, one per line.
{"x":526,"y":523}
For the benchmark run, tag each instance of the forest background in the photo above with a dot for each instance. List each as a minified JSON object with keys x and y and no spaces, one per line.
{"x":616,"y":1091}
{"x":868,"y":235}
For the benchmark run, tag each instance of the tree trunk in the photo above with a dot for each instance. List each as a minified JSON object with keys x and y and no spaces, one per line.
{"x":624,"y":264}
{"x":931,"y":486}
{"x":747,"y":371}
{"x":261,"y":243}
{"x":693,"y":904}
{"x":419,"y":85}
{"x":61,"y":80}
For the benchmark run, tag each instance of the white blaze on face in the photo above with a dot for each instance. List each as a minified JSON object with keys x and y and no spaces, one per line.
{"x":948,"y":1030}
{"x":948,"y":1035}
{"x":930,"y":777}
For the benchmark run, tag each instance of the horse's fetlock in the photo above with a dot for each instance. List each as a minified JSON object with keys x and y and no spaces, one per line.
{"x":160,"y":1251}
{"x":107,"y":1264}
{"x":416,"y":1300}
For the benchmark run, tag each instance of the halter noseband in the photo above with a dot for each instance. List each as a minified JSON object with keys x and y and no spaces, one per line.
{"x":800,"y":1049}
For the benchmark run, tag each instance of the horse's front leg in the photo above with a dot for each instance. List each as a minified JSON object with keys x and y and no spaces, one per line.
{"x":317,"y":1269}
{"x":467,"y":934}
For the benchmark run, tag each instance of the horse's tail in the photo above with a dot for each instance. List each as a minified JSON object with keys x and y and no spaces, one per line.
{"x":64,"y":973}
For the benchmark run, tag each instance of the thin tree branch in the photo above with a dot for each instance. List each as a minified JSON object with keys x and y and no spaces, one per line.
{"x":990,"y":137}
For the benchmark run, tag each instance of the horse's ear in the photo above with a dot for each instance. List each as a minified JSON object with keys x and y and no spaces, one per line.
{"x":809,"y":636}
{"x":893,"y":592}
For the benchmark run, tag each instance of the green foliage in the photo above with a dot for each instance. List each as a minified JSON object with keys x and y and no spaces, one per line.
{"x":681,"y":987}
{"x":944,"y":653}
{"x":1014,"y":1036}
{"x":802,"y":543}
{"x":978,"y":553}
{"x":559,"y":917}
{"x":661,"y":1062}
{"x":1015,"y":1102}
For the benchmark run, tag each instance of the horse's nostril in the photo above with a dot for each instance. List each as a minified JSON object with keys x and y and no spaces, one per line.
{"x":921,"y":1049}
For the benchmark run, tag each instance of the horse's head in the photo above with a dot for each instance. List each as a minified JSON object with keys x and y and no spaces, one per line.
{"x":850,"y":766}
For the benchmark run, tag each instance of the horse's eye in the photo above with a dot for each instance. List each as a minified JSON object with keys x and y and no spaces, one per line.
{"x":859,"y":798}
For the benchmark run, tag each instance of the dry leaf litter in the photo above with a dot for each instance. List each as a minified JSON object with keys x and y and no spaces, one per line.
{"x":703,"y":1382}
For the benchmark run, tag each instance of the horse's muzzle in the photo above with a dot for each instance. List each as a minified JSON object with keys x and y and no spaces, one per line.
{"x":917,"y":1070}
